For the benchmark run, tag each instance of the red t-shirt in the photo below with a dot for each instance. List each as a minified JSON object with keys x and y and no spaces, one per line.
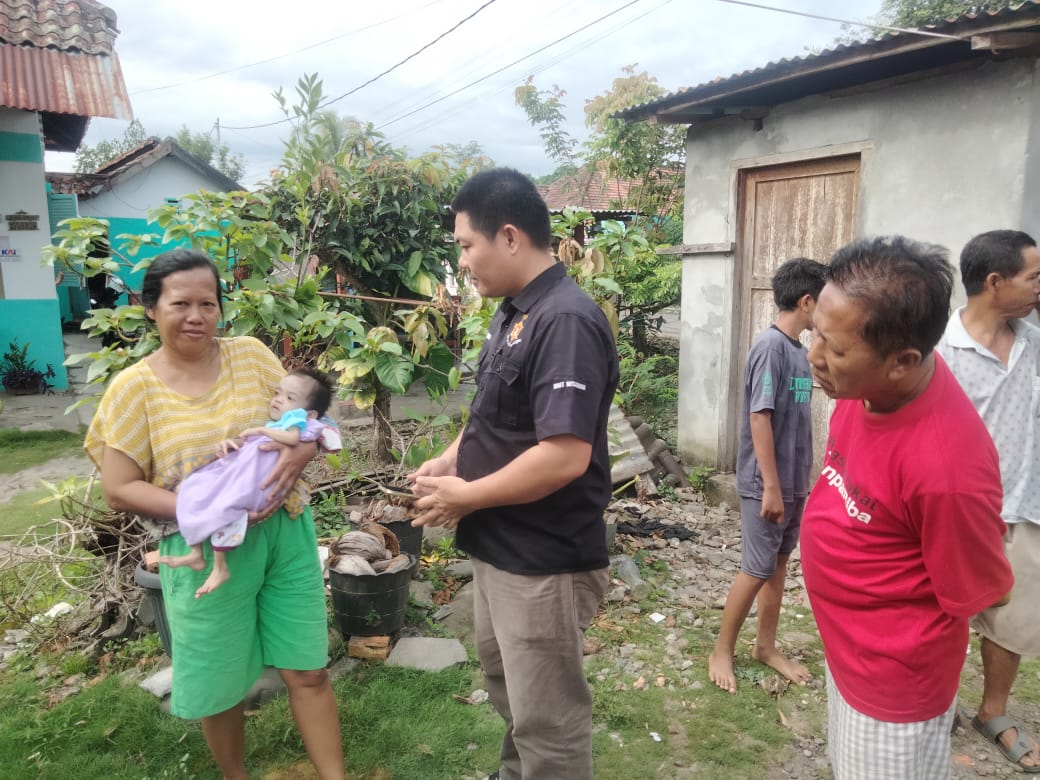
{"x":901,"y":543}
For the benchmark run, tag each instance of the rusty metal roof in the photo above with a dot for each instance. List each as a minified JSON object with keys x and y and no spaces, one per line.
{"x":63,"y":82}
{"x":893,"y":55}
{"x":64,"y":25}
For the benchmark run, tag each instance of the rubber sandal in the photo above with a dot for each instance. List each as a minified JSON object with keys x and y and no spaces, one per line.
{"x":994,"y":727}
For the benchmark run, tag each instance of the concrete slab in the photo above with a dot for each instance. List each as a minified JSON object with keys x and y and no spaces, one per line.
{"x":429,"y":654}
{"x":722,"y":489}
{"x":159,"y":683}
{"x":460,"y":620}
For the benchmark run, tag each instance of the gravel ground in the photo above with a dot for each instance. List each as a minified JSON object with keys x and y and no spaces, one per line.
{"x":698,"y":577}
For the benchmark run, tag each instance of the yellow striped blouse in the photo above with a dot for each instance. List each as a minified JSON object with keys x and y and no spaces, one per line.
{"x":170,"y":435}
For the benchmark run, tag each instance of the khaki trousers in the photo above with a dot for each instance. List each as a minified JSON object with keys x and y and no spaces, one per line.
{"x":529,"y":631}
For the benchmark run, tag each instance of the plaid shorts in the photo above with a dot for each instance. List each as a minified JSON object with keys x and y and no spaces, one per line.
{"x":862,"y":748}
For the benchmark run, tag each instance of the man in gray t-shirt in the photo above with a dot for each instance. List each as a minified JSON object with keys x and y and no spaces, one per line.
{"x":773,"y":465}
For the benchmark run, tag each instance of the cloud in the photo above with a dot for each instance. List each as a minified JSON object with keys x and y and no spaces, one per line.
{"x":682,"y":42}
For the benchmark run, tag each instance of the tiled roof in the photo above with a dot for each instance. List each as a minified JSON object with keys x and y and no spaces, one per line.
{"x":64,"y":25}
{"x":589,"y":189}
{"x":57,"y":58}
{"x":83,"y":184}
{"x":889,"y":55}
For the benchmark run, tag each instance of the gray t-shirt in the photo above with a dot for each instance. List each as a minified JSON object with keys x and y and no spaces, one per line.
{"x":777,"y":378}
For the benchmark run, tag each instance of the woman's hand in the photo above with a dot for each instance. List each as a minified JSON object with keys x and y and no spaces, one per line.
{"x":284,"y":475}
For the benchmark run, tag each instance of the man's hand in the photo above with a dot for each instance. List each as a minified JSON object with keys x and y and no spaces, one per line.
{"x":445,"y":500}
{"x":772,"y":505}
{"x":434,"y":467}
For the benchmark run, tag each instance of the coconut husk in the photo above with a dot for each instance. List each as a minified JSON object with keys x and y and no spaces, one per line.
{"x":397,"y":563}
{"x":367,"y":546}
{"x":353,"y":564}
{"x":385,"y":535}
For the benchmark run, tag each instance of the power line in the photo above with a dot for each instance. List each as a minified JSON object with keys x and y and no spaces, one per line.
{"x":511,"y":64}
{"x":286,"y":54}
{"x":378,"y":76}
{"x":871,"y":25}
{"x":437,"y":84}
{"x":423,"y":124}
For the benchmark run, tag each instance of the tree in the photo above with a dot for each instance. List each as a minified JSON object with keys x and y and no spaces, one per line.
{"x":375,"y":217}
{"x":90,"y":158}
{"x":911,"y":14}
{"x":917,"y":13}
{"x":544,"y":108}
{"x":648,"y":153}
{"x":202,"y":146}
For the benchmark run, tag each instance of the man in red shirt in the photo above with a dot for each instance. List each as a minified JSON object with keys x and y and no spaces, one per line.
{"x":901,"y":537}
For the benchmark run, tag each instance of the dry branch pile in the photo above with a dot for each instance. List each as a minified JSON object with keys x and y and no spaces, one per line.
{"x":87,"y":556}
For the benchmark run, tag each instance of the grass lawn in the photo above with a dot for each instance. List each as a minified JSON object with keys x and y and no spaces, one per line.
{"x":22,"y":449}
{"x":396,"y":723}
{"x":20,"y":514}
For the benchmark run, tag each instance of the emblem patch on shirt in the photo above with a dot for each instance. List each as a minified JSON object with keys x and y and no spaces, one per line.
{"x":514,"y":333}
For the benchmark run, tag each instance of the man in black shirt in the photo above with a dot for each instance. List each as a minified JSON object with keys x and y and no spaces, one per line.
{"x":527,"y":479}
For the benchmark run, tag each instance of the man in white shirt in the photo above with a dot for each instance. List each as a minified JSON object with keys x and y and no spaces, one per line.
{"x":995,"y":356}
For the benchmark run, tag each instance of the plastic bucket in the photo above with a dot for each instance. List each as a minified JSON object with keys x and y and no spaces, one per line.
{"x":409,"y":538}
{"x":370,"y":604}
{"x":153,"y":591}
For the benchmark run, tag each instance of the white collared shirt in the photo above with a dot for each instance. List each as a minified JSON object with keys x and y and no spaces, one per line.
{"x":1007,"y":398}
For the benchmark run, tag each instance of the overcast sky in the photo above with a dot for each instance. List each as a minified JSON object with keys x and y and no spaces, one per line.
{"x":172,"y":52}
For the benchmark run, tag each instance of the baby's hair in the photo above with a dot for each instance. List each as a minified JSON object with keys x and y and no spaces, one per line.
{"x":322,"y":390}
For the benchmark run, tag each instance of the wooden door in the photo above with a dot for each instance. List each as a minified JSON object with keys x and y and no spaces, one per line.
{"x":805,"y":209}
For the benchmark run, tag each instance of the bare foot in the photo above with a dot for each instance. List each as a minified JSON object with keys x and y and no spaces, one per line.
{"x":720,"y":670}
{"x":774,"y":659}
{"x":192,"y":560}
{"x":215,"y":579}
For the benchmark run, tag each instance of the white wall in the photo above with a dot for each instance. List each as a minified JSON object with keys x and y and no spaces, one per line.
{"x":133,"y":196}
{"x":942,"y":160}
{"x":22,"y":188}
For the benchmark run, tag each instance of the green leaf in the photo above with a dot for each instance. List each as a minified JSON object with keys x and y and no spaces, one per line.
{"x":414,"y":263}
{"x":394,"y":372}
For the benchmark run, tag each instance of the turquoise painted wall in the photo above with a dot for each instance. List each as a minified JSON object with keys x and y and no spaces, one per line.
{"x":21,"y":147}
{"x":37,"y":322}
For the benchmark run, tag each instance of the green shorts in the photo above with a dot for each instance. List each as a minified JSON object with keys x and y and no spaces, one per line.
{"x":270,"y":612}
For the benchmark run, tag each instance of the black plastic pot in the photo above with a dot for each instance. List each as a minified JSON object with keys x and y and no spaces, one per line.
{"x":370,"y":604}
{"x":409,"y":538}
{"x":153,"y":592}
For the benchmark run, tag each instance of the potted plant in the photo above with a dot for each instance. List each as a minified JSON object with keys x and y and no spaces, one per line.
{"x":19,"y":374}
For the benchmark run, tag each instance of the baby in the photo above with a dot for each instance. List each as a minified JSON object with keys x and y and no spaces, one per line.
{"x":215,"y":501}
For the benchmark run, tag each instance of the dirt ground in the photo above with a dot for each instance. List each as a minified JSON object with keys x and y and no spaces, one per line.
{"x":53,"y":470}
{"x":697,"y":578}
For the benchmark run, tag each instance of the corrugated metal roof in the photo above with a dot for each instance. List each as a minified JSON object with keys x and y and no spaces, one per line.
{"x":889,"y":55}
{"x":62,"y":82}
{"x":65,"y":25}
